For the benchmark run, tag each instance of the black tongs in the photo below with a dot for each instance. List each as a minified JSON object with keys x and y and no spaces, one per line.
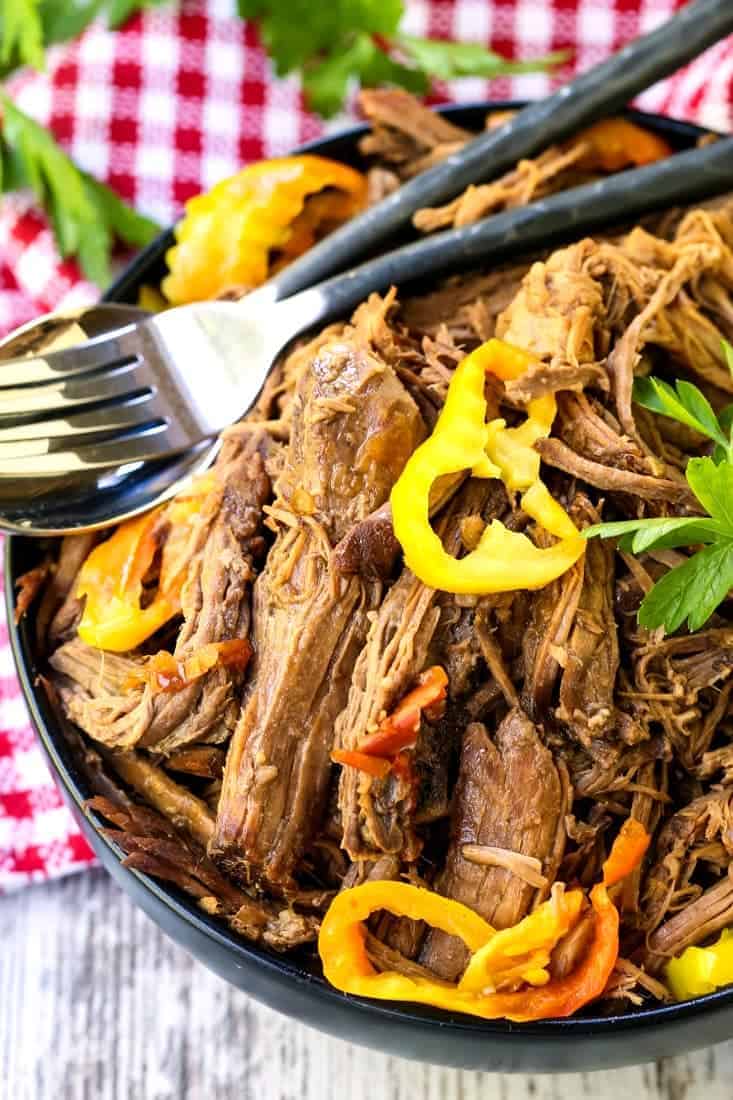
{"x":596,"y":94}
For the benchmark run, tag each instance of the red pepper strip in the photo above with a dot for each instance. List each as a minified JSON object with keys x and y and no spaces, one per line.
{"x":400,"y":728}
{"x":377,"y":766}
{"x":378,"y":753}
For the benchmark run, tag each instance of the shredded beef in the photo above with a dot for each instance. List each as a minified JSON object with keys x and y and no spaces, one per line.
{"x":658,"y":490}
{"x":563,"y":717}
{"x":378,"y":815}
{"x":223,"y":548}
{"x":353,"y":430}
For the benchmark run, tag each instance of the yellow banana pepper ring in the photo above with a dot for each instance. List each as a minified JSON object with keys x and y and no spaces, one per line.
{"x":504,"y":560}
{"x":701,"y":970}
{"x":341,"y":945}
{"x":518,"y":955}
{"x":249,"y":225}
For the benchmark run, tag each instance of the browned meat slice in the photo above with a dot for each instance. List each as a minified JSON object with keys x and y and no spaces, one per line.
{"x":353,"y":430}
{"x":611,"y":767}
{"x":94,"y":686}
{"x":718,"y":762}
{"x":202,"y":760}
{"x":572,"y":947}
{"x":509,"y":795}
{"x":28,"y":585}
{"x":541,"y":378}
{"x":91,"y":689}
{"x":369,"y":548}
{"x":59,"y":610}
{"x":697,"y":922}
{"x":379,"y":815}
{"x":649,"y":803}
{"x":684,"y":684}
{"x":632,"y":984}
{"x":544,"y":641}
{"x":188,"y":813}
{"x":659,"y":490}
{"x":155,"y":845}
{"x":667,"y":317}
{"x":467,"y":305}
{"x":530,"y":180}
{"x":591,"y":665}
{"x":385,"y":957}
{"x":493,"y":655}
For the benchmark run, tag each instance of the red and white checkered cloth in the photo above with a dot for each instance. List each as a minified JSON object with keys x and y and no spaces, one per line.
{"x":164,"y":108}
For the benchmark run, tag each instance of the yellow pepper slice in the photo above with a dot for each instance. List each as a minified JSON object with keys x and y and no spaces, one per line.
{"x":522,"y":953}
{"x":701,"y":970}
{"x":240,"y":232}
{"x":462,"y":440}
{"x":517,"y":955}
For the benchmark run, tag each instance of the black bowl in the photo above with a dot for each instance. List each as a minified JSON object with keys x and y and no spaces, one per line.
{"x":292,"y":984}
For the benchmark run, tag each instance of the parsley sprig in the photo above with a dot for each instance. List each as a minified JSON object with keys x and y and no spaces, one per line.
{"x":689,"y":592}
{"x":28,"y":26}
{"x":87,"y":217}
{"x":343,"y":42}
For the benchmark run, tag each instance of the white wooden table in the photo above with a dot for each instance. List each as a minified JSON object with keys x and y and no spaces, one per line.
{"x":97,"y":1004}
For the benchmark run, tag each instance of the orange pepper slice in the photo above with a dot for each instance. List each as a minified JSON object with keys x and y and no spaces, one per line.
{"x":111,"y":578}
{"x":377,"y":766}
{"x":617,"y":143}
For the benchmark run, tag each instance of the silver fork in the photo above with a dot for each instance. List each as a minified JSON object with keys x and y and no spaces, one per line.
{"x":164,"y":385}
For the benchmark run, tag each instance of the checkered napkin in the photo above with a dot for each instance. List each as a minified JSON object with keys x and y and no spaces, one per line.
{"x":164,"y":108}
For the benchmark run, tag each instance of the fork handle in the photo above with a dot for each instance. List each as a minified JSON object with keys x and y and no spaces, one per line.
{"x":602,"y":90}
{"x":615,"y":200}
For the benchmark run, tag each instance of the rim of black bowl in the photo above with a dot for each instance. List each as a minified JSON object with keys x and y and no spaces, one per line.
{"x":285,"y":968}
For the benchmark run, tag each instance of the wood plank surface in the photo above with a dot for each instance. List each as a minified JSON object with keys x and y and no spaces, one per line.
{"x":97,"y":1004}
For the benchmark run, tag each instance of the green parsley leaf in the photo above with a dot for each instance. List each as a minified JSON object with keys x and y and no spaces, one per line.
{"x":448,"y":60}
{"x":127,"y":224}
{"x":297,"y":33}
{"x":713,"y":486}
{"x":86,"y":216}
{"x":21,"y":35}
{"x":63,"y":20}
{"x":691,"y":591}
{"x":725,"y":419}
{"x":684,"y":403}
{"x":663,"y":533}
{"x":728,"y":351}
{"x":327,"y":83}
{"x":342,"y":42}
